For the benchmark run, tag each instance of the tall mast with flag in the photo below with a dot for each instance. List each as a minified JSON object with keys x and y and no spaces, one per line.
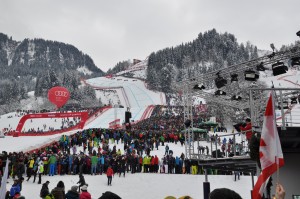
{"x":270,"y":152}
{"x":4,"y":181}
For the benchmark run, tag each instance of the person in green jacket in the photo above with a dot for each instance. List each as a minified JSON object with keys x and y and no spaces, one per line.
{"x":52,"y":162}
{"x":94,"y":161}
{"x":162,"y":139}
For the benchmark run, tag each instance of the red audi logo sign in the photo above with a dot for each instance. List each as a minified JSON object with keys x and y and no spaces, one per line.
{"x":61,"y":94}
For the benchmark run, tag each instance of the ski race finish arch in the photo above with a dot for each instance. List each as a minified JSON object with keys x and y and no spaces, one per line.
{"x":82,"y":115}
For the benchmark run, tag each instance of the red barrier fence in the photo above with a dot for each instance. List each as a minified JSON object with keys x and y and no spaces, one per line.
{"x":82,"y":115}
{"x":115,"y":124}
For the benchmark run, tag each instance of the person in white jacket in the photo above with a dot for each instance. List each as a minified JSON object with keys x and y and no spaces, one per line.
{"x":40,"y":171}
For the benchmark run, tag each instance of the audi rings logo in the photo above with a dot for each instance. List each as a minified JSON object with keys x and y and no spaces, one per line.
{"x":61,"y":94}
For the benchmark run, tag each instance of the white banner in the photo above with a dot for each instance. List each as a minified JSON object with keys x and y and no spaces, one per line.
{"x":4,"y":181}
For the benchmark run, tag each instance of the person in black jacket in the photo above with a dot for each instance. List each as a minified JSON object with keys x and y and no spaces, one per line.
{"x":81,"y":181}
{"x":45,"y":190}
{"x":75,"y":165}
{"x":73,"y":193}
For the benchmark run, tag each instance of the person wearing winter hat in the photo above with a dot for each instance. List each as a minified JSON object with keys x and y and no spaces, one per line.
{"x":73,"y":194}
{"x":84,"y":193}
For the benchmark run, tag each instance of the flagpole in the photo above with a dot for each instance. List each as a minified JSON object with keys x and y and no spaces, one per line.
{"x":4,"y":181}
{"x":276,"y":158}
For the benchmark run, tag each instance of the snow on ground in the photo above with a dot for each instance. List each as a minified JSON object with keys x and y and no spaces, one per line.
{"x":147,"y":186}
{"x":143,"y":185}
{"x":139,"y":74}
{"x":84,"y":70}
{"x":26,"y":143}
{"x":108,"y":96}
{"x":140,"y":185}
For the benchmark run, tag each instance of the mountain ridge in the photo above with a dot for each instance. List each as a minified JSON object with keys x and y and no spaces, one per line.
{"x":40,"y":54}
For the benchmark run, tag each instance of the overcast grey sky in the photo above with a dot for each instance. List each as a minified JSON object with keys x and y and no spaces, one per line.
{"x":115,"y":30}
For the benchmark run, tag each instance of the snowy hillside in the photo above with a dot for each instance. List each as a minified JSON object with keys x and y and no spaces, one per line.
{"x":138,"y":70}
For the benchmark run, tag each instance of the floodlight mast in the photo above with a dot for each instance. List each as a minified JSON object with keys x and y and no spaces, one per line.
{"x":188,"y":115}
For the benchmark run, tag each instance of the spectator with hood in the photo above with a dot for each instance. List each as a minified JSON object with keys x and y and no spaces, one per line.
{"x":59,"y":191}
{"x":73,"y":193}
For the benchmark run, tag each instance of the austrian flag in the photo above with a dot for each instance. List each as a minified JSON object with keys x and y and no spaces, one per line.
{"x":271,"y":157}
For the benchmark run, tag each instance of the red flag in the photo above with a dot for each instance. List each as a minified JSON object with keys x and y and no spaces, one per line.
{"x":271,"y":157}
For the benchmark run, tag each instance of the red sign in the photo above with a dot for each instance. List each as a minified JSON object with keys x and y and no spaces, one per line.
{"x":115,"y":124}
{"x":58,"y":96}
{"x":82,"y":115}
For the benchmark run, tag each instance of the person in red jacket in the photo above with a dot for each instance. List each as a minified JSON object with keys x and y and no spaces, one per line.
{"x":109,"y":174}
{"x":247,"y":129}
{"x":155,"y":164}
{"x":84,"y":193}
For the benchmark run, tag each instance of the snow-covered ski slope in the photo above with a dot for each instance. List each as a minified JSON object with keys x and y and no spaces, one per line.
{"x":135,"y":90}
{"x":291,"y":79}
{"x":132,"y":93}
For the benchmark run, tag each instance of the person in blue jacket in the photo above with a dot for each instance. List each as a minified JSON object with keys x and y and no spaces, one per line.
{"x":101,"y":164}
{"x":15,"y":188}
{"x":177,"y":165}
{"x":70,"y":161}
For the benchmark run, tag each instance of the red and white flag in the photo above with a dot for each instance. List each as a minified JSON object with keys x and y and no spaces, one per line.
{"x":271,"y":157}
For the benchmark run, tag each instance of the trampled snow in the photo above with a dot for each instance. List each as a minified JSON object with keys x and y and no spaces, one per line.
{"x":139,"y":185}
{"x":147,"y":186}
